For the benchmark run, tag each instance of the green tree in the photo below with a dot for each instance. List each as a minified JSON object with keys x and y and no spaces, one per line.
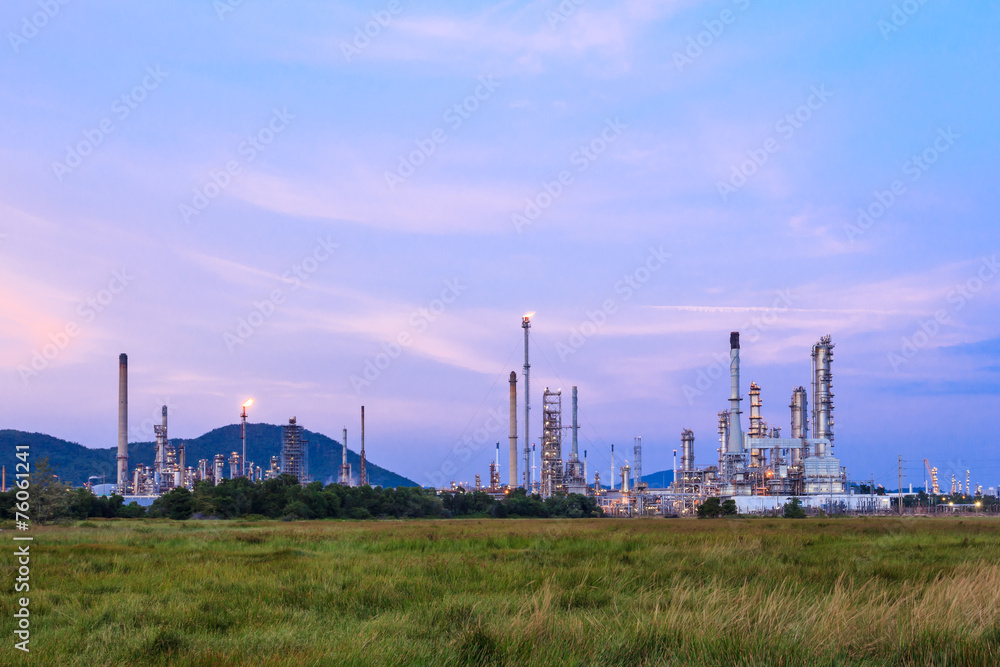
{"x":711,"y":508}
{"x":793,"y":509}
{"x":176,"y":504}
{"x":729,"y":507}
{"x":48,"y":497}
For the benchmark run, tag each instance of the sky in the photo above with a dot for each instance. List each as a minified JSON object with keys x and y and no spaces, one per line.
{"x":326,"y":205}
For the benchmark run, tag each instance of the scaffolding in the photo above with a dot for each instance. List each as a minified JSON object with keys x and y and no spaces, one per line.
{"x":552,"y":464}
{"x":294,"y":452}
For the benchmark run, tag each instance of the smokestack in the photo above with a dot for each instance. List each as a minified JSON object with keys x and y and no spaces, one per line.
{"x":585,"y":466}
{"x":343,"y":450}
{"x":735,"y":428}
{"x":181,"y":464}
{"x":363,"y":479}
{"x":122,"y":423}
{"x":512,"y":462}
{"x":574,"y":454}
{"x":612,"y":466}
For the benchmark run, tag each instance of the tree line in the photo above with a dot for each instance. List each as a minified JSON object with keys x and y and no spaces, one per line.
{"x":284,"y":498}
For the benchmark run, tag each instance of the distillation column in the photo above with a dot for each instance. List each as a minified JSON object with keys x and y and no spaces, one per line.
{"x":822,"y":356}
{"x":735,"y":429}
{"x":800,"y":423}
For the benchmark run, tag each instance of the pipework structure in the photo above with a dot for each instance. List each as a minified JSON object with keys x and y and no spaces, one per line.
{"x":552,"y":463}
{"x":761,"y":462}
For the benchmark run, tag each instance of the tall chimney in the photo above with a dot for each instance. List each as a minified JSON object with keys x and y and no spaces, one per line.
{"x":181,"y":465}
{"x":512,"y":460}
{"x":363,"y":479}
{"x":574,"y":453}
{"x":735,"y":428}
{"x":122,"y":423}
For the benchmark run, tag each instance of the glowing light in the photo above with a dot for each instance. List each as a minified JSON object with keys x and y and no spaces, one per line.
{"x":528,"y":316}
{"x":248,"y":403}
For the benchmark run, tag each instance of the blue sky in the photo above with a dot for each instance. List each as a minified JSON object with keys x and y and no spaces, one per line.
{"x":252,"y":162}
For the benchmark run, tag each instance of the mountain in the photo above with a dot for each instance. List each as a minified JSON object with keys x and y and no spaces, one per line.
{"x":75,"y":463}
{"x":659,"y":480}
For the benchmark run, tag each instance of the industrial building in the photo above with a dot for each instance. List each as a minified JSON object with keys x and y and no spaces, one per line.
{"x":757,"y":467}
{"x":170,"y":469}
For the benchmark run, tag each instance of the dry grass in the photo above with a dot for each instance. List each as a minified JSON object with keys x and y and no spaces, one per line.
{"x":584,"y":592}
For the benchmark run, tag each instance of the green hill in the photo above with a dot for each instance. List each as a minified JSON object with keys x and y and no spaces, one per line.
{"x":75,"y":463}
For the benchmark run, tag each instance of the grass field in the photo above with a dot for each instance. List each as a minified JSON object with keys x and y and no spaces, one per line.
{"x":489,"y":592}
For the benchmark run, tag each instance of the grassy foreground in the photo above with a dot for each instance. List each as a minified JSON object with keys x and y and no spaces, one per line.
{"x":488,"y":592}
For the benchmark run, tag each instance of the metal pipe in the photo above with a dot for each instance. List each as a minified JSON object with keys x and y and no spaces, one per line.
{"x":512,"y":458}
{"x":526,"y":325}
{"x":363,"y":479}
{"x":612,"y":466}
{"x":574,"y":451}
{"x":673,"y":482}
{"x":122,"y":458}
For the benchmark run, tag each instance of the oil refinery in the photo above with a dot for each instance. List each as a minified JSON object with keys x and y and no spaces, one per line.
{"x":757,"y":468}
{"x":171,"y":470}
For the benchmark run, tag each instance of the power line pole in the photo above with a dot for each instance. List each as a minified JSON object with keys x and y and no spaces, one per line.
{"x":899,"y":491}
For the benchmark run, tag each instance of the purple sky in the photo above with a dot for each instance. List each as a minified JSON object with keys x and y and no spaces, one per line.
{"x":257,"y":202}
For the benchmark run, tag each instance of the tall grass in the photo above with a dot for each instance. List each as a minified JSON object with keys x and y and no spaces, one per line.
{"x":584,"y":592}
